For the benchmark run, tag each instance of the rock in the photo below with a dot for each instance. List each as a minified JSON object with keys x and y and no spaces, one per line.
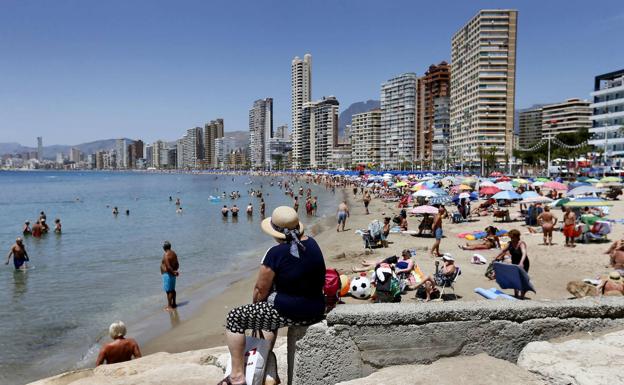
{"x":188,"y":368}
{"x":577,"y":362}
{"x":464,"y":370}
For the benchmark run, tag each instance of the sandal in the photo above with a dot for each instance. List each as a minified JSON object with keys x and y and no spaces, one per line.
{"x":228,"y":381}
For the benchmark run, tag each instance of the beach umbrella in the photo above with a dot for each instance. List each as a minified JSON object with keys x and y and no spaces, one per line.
{"x":582,"y":178}
{"x":440,"y":200}
{"x":592,"y":202}
{"x":608,"y":179}
{"x":584,"y":190}
{"x":608,"y":184}
{"x":536,"y":199}
{"x":464,"y":195}
{"x":529,"y":194}
{"x":538,"y":183}
{"x":486,"y":183}
{"x":506,"y":195}
{"x":504,"y":179}
{"x":542,"y":179}
{"x":574,"y":185}
{"x":464,"y":187}
{"x":504,"y":185}
{"x":425,"y":209}
{"x":400,"y":184}
{"x":521,"y":181}
{"x":489,"y":190}
{"x":592,"y":180}
{"x":555,"y":186}
{"x":424,"y":193}
{"x":496,"y":174}
{"x":560,"y":202}
{"x":439,"y":191}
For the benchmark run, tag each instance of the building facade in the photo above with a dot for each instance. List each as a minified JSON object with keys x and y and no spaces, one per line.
{"x":441,"y":133}
{"x":301,"y":94}
{"x":212,"y":130}
{"x":40,"y":148}
{"x":483,"y":62}
{"x":282,"y":131}
{"x":398,"y":121}
{"x":529,"y":127}
{"x":573,"y":115}
{"x":365,"y":132}
{"x":193,"y":148}
{"x":608,"y":114}
{"x":434,"y":84}
{"x":260,"y":133}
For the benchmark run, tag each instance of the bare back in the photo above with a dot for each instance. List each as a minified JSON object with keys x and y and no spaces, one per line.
{"x":169,"y":262}
{"x":120,"y":350}
{"x":437,"y":222}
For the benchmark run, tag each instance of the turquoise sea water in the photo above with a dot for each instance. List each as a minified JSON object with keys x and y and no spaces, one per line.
{"x":104,"y":267}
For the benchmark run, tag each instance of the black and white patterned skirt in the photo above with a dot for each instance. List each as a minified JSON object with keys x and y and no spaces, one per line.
{"x":258,"y":316}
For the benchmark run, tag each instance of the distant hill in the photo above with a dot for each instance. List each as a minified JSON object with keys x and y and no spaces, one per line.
{"x":239,"y":139}
{"x":355,"y":108}
{"x":49,"y":152}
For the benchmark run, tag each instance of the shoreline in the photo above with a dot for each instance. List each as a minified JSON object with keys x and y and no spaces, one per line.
{"x":205,"y":327}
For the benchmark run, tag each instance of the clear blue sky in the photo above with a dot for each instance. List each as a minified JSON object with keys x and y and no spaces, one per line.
{"x":80,"y":70}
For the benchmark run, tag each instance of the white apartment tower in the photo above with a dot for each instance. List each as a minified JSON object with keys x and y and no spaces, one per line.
{"x":260,"y":132}
{"x":608,"y":115}
{"x":483,"y":78}
{"x":398,"y":120}
{"x":301,"y":93}
{"x":318,"y":133}
{"x":365,"y":135}
{"x":39,"y":148}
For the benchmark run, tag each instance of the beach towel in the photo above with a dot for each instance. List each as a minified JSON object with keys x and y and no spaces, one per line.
{"x":512,"y":277}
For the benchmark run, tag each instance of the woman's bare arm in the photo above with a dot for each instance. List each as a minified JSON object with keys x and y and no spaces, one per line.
{"x":263,"y":284}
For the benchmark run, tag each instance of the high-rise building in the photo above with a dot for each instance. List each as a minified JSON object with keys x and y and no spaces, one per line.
{"x":212,"y":131}
{"x":573,"y":115}
{"x":301,"y":93}
{"x":135,"y":152}
{"x":99,"y":160}
{"x":39,"y":148}
{"x":180,"y":153}
{"x":398,"y":120}
{"x":194,"y":148}
{"x":282,"y":131}
{"x":121,"y":149}
{"x":608,"y":114}
{"x":434,"y":84}
{"x":483,"y":63}
{"x":318,"y":133}
{"x":529,"y":126}
{"x":260,"y":132}
{"x":74,"y":155}
{"x":366,"y":137}
{"x":149,"y":155}
{"x":441,"y":133}
{"x":157,"y":150}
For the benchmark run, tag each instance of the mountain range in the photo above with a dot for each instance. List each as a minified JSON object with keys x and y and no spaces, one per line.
{"x":49,"y":152}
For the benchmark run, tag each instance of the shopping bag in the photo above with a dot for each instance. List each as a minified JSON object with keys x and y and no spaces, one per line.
{"x":256,"y":359}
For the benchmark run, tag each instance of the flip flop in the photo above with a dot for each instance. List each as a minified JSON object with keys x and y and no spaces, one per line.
{"x":228,"y":381}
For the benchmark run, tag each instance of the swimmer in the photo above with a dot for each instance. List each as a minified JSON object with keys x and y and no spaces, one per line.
{"x":115,"y":210}
{"x":225,"y":211}
{"x":27,"y":230}
{"x":179,"y":210}
{"x":235,"y":211}
{"x":249,"y":209}
{"x":19,"y":254}
{"x":57,"y":226}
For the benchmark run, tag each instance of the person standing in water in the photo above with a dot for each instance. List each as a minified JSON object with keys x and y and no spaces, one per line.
{"x":27,"y":230}
{"x":250,"y":209}
{"x":235,"y":211}
{"x":169,"y":267}
{"x":57,"y":226}
{"x":19,"y":254}
{"x":225,"y":211}
{"x":262,"y":207}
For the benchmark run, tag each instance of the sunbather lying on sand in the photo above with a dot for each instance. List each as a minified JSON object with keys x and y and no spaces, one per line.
{"x":489,"y":242}
{"x":616,"y":254}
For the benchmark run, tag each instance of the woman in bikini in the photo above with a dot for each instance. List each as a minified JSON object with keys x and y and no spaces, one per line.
{"x":490,"y":241}
{"x":517,"y":251}
{"x":548,"y":222}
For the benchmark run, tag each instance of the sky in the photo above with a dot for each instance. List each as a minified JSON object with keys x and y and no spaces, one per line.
{"x":74,"y":71}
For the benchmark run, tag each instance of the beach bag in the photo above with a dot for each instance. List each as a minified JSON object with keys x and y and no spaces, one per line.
{"x":258,"y":358}
{"x":387,"y":285}
{"x":331,"y":289}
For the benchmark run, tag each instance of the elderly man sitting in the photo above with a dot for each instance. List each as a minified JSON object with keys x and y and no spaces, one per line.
{"x":121,"y":349}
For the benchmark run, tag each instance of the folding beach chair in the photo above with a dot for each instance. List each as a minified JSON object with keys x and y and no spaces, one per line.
{"x":450,"y":284}
{"x":598,"y":232}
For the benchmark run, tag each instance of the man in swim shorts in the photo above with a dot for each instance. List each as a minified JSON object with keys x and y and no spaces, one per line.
{"x":436,"y":229}
{"x":225,"y":211}
{"x":19,"y":254}
{"x":548,"y":222}
{"x":343,"y":213}
{"x":169,"y":271}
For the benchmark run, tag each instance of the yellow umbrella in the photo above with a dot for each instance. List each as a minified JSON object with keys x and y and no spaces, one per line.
{"x":521,"y":181}
{"x":608,"y":179}
{"x":401,"y":184}
{"x":464,"y":187}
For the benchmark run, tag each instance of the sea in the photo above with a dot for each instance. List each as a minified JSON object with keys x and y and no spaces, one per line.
{"x":105,"y":267}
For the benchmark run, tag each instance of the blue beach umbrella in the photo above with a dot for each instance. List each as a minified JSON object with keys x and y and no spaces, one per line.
{"x":529,"y":194}
{"x":506,"y":195}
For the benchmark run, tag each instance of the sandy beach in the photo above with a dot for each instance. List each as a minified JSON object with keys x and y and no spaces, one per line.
{"x":552,"y":267}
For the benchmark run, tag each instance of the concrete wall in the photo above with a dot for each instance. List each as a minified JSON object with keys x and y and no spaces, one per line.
{"x":355,"y":340}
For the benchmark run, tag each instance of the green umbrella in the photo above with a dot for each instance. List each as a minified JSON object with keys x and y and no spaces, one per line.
{"x":592,"y":180}
{"x":610,"y":179}
{"x":582,"y":178}
{"x":561,"y":202}
{"x":542,"y":179}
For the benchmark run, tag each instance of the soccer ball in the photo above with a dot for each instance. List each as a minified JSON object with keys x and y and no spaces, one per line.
{"x":360,"y":287}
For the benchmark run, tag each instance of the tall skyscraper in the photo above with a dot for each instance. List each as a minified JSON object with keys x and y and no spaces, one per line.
{"x":366,"y":137}
{"x":483,"y":80}
{"x":39,"y":148}
{"x":301,"y":93}
{"x":212,"y":131}
{"x":318,"y":133}
{"x":260,"y":132}
{"x":398,"y":120}
{"x":282,"y":131}
{"x":441,"y":133}
{"x":193,"y":148}
{"x":608,"y":114}
{"x":74,"y":155}
{"x":121,"y":148}
{"x":436,"y":83}
{"x":180,"y":153}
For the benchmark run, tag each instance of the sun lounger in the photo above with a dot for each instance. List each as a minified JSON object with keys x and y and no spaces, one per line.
{"x":512,"y":277}
{"x":599,"y":231}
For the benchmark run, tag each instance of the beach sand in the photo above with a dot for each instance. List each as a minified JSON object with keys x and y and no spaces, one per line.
{"x":552,"y":267}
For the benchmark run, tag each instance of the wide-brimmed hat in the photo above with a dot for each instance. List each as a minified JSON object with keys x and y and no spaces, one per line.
{"x":283,"y":217}
{"x":448,"y":257}
{"x":615,"y":276}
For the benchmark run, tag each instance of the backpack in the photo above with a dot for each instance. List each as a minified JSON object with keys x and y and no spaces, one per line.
{"x":388,"y":290}
{"x":331,"y":289}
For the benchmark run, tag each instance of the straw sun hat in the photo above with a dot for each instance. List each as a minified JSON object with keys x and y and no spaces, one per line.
{"x":615,"y":276}
{"x":283,"y":217}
